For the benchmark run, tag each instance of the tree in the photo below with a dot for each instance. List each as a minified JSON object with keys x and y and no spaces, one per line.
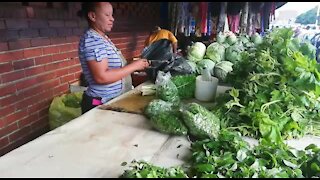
{"x":308,"y":17}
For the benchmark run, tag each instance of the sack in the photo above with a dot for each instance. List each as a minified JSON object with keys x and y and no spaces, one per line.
{"x":159,"y":50}
{"x":64,"y":108}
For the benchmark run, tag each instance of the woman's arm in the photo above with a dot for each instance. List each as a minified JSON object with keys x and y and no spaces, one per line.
{"x":102,"y":75}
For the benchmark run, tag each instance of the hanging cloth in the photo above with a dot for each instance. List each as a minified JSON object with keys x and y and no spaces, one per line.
{"x":222,"y":17}
{"x":244,"y":18}
{"x":226,"y":25}
{"x":203,"y":12}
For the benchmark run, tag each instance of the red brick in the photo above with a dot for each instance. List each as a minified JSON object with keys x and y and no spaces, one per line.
{"x":5,"y":67}
{"x":68,"y":78}
{"x":56,"y":23}
{"x":43,"y":60}
{"x":59,"y":57}
{"x":16,"y":116}
{"x":46,"y":77}
{"x":26,"y":83}
{"x":28,"y":33}
{"x":2,"y":123}
{"x":9,"y":128}
{"x":4,"y":142}
{"x":4,"y":111}
{"x":48,"y":32}
{"x":61,"y":89}
{"x":34,"y":71}
{"x":16,"y":23}
{"x":13,"y":76}
{"x":4,"y":46}
{"x":64,"y":31}
{"x":28,"y":120}
{"x":70,"y":23}
{"x":38,"y":23}
{"x":65,"y":48}
{"x":61,"y":72}
{"x":40,"y":124}
{"x":19,"y":44}
{"x":11,"y":99}
{"x":40,"y":42}
{"x":52,"y":66}
{"x":39,"y":88}
{"x":9,"y":35}
{"x":44,"y":111}
{"x":2,"y":24}
{"x":19,"y":134}
{"x":83,"y":23}
{"x":7,"y":89}
{"x":32,"y":52}
{"x":58,"y":40}
{"x":51,"y":50}
{"x":9,"y":56}
{"x":71,"y":39}
{"x":35,"y":107}
{"x":74,"y":69}
{"x":23,"y":64}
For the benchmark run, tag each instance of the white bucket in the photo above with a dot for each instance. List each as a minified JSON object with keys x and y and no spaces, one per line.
{"x":206,"y":90}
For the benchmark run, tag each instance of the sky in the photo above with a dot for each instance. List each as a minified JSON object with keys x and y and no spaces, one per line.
{"x":301,"y":7}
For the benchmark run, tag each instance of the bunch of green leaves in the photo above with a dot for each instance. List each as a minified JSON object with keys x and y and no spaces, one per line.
{"x":276,"y":92}
{"x":142,"y":169}
{"x":165,"y":117}
{"x":186,"y":85}
{"x":231,"y":157}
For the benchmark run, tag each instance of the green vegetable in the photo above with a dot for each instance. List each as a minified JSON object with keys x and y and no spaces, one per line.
{"x":201,"y":123}
{"x":196,"y":52}
{"x":256,"y":39}
{"x":205,"y":63}
{"x":221,"y":37}
{"x":215,"y":52}
{"x":222,"y":69}
{"x":165,"y":117}
{"x":186,"y":85}
{"x":231,"y":39}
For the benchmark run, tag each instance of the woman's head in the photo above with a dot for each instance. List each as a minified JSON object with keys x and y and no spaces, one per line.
{"x":99,"y":15}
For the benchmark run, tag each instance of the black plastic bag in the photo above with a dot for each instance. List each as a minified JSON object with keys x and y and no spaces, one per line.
{"x":159,"y":50}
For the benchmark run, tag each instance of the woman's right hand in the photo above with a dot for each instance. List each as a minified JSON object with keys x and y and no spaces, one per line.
{"x":140,"y":64}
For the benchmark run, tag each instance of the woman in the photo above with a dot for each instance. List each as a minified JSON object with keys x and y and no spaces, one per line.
{"x":102,"y":63}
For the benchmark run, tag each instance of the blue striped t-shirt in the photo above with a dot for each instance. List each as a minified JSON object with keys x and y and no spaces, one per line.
{"x":93,"y":47}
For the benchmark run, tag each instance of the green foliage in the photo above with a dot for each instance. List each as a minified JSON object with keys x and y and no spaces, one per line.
{"x":186,"y":85}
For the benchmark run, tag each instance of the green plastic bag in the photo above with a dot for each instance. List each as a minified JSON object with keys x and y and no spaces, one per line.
{"x":64,"y":108}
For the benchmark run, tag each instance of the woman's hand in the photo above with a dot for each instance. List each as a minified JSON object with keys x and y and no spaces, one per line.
{"x":140,"y":64}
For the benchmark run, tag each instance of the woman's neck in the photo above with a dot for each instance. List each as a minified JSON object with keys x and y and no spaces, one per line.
{"x":98,"y":31}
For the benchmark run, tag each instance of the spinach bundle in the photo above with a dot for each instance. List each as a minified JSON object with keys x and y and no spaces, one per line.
{"x":200,"y":122}
{"x":186,"y":85}
{"x":165,"y":117}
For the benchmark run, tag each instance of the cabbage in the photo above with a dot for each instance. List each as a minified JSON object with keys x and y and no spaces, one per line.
{"x":205,"y":63}
{"x":233,"y":53}
{"x":222,"y":69}
{"x":221,"y":37}
{"x":256,"y":39}
{"x":196,"y":52}
{"x":215,"y":52}
{"x":244,"y":39}
{"x":193,"y":66}
{"x":231,"y":39}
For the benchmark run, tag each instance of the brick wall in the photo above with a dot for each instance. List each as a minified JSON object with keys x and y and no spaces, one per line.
{"x":39,"y":58}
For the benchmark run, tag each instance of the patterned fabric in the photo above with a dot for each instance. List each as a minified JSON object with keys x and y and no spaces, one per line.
{"x":93,"y":47}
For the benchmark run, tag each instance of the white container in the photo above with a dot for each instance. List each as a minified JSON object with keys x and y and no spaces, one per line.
{"x":206,"y":90}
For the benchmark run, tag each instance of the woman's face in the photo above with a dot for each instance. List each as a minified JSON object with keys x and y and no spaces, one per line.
{"x":102,"y":18}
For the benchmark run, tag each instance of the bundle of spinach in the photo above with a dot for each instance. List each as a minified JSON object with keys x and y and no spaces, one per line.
{"x":229,"y":156}
{"x":186,"y":85}
{"x":276,"y":91}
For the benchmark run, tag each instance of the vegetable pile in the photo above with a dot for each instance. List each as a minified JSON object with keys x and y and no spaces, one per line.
{"x":275,"y":97}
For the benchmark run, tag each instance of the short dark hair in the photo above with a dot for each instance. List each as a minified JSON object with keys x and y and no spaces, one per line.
{"x":87,"y":7}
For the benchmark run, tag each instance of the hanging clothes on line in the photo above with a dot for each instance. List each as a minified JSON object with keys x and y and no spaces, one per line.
{"x":222,"y":17}
{"x":203,"y":12}
{"x":244,"y":18}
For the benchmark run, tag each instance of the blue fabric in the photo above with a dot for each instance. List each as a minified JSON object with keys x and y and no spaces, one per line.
{"x":93,"y":47}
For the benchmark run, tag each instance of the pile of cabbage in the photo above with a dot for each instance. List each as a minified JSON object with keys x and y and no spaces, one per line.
{"x":220,"y":56}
